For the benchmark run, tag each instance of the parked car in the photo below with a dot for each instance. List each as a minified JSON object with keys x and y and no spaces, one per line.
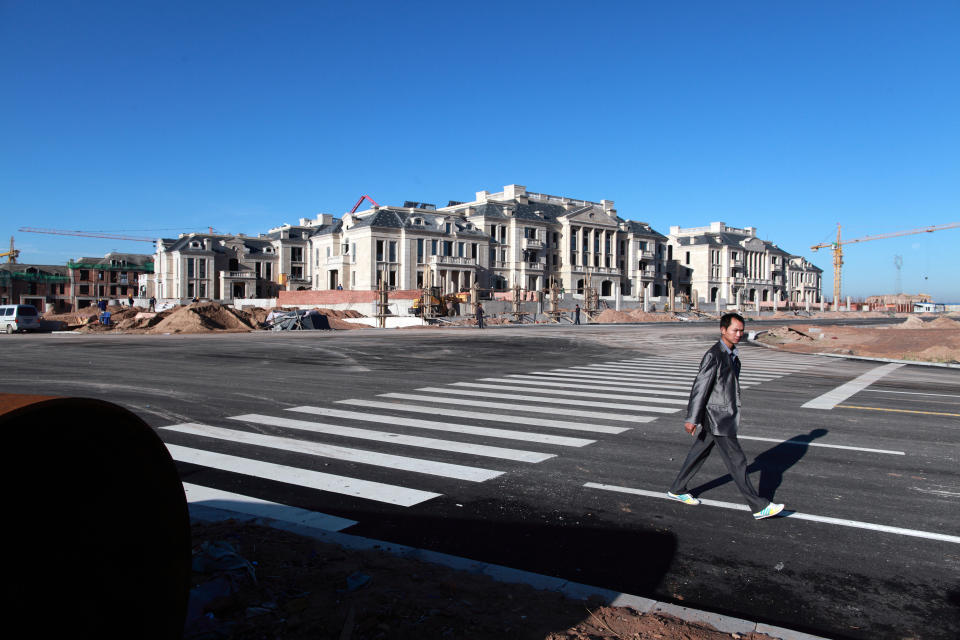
{"x":19,"y":317}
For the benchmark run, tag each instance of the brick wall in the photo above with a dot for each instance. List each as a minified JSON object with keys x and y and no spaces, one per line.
{"x":332,"y":296}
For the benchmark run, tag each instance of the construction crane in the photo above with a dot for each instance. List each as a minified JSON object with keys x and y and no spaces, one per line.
{"x":11,"y":255}
{"x":87,"y":234}
{"x":362,"y":198}
{"x":838,"y":249}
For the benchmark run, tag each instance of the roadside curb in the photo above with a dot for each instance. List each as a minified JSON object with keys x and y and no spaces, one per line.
{"x":500,"y":573}
{"x":752,"y":339}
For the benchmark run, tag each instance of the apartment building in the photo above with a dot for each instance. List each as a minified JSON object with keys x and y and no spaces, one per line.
{"x":497,"y":241}
{"x":720,"y":262}
{"x":114,"y":276}
{"x":45,"y":286}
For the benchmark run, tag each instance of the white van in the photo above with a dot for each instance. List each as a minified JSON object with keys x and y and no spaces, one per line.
{"x":19,"y":317}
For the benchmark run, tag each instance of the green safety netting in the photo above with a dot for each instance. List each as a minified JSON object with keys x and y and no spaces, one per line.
{"x":146,"y":266}
{"x":32,"y":277}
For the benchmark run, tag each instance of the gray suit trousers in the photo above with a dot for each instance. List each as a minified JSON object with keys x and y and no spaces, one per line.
{"x":733,"y":458}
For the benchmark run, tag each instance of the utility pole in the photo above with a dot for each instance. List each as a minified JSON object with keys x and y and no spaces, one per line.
{"x":383,"y":301}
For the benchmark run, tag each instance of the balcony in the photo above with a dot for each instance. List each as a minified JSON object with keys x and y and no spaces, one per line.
{"x":444,"y":261}
{"x":645,"y":254}
{"x":240,"y":275}
{"x":336,"y":261}
{"x":533,"y":243}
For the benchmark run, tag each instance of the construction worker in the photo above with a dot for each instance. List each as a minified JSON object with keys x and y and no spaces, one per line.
{"x":479,"y":316}
{"x":576,"y":314}
{"x":153,"y":303}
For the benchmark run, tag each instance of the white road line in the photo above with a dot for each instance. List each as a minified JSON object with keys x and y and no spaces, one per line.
{"x":912,"y":393}
{"x":754,"y":366}
{"x":561,"y":401}
{"x":543,"y":438}
{"x":821,"y":444}
{"x":602,"y":415}
{"x":671,"y":370}
{"x":365,"y":489}
{"x":622,"y":381}
{"x":835,"y":396}
{"x":489,"y":417}
{"x":790,"y":514}
{"x":208,"y":497}
{"x":538,"y":381}
{"x":625,"y":395}
{"x":516,"y":455}
{"x":360,"y":456}
{"x":667,"y":378}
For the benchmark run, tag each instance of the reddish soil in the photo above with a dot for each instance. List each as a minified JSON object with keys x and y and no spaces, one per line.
{"x":301,"y":592}
{"x":936,"y":340}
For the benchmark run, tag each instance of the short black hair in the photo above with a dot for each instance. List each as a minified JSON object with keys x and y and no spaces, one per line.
{"x":727,"y":318}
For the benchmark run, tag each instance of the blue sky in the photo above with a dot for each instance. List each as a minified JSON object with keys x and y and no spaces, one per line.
{"x":151,"y":118}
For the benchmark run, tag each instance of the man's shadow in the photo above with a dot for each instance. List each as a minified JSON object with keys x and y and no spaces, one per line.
{"x":771,"y":464}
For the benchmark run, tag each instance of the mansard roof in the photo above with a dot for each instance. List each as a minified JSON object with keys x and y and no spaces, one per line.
{"x":391,"y":218}
{"x":642,"y":229}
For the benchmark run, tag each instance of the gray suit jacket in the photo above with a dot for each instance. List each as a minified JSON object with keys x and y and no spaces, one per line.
{"x":715,"y":395}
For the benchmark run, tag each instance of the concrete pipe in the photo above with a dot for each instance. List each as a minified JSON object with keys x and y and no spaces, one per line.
{"x":99,"y":525}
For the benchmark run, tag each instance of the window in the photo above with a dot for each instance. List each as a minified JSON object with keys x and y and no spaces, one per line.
{"x":448,"y":247}
{"x":379,"y":250}
{"x":203,"y":289}
{"x":296,"y":254}
{"x":256,"y":269}
{"x":433,"y":247}
{"x":203,"y":267}
{"x":189,"y":289}
{"x":329,"y":251}
{"x":393,"y":250}
{"x":190,"y":268}
{"x":474,"y":250}
{"x":84,"y":274}
{"x":267,"y":271}
{"x":446,"y":227}
{"x":460,"y":247}
{"x":687,"y":258}
{"x":643,"y":245}
{"x":84,"y":289}
{"x":296,"y":272}
{"x":420,"y":250}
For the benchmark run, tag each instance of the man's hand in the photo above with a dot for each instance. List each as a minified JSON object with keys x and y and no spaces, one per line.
{"x":690,"y":427}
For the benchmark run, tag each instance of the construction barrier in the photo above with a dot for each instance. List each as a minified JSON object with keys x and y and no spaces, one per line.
{"x":97,"y":522}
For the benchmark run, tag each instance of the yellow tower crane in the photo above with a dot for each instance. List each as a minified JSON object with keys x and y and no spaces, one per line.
{"x":11,"y":255}
{"x":838,"y":249}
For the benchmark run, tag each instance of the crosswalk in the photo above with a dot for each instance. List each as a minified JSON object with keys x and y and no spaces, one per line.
{"x":430,"y":439}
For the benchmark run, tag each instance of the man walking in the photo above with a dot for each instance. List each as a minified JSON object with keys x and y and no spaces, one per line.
{"x":714,"y":406}
{"x":479,"y":316}
{"x":576,"y":314}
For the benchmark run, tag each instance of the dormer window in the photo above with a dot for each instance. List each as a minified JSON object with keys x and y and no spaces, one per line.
{"x":418,"y":221}
{"x":268,"y":249}
{"x":195,"y":245}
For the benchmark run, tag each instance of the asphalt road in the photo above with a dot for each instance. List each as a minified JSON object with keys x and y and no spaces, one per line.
{"x":563,"y":470}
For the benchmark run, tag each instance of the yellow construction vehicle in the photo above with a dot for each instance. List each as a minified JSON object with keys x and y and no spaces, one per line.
{"x":438,"y":304}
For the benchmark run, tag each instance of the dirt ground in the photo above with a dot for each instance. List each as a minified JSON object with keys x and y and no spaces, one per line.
{"x":926,"y":339}
{"x":295,"y":588}
{"x":198,"y":317}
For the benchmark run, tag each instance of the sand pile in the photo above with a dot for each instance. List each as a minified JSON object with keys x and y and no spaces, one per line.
{"x":612,"y":315}
{"x":783,"y":335}
{"x":203,"y":317}
{"x":943,"y":323}
{"x":912,"y":322}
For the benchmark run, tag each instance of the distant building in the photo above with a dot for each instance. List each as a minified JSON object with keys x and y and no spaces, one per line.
{"x":727,"y":263}
{"x":496,"y":241}
{"x":900,"y":302}
{"x":42,"y":285}
{"x":115,"y":276}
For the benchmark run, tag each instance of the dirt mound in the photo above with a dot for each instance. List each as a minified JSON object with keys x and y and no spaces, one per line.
{"x":203,"y":317}
{"x":944,"y":323}
{"x":639,"y":315}
{"x":783,"y":335}
{"x":612,"y":315}
{"x":912,"y":322}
